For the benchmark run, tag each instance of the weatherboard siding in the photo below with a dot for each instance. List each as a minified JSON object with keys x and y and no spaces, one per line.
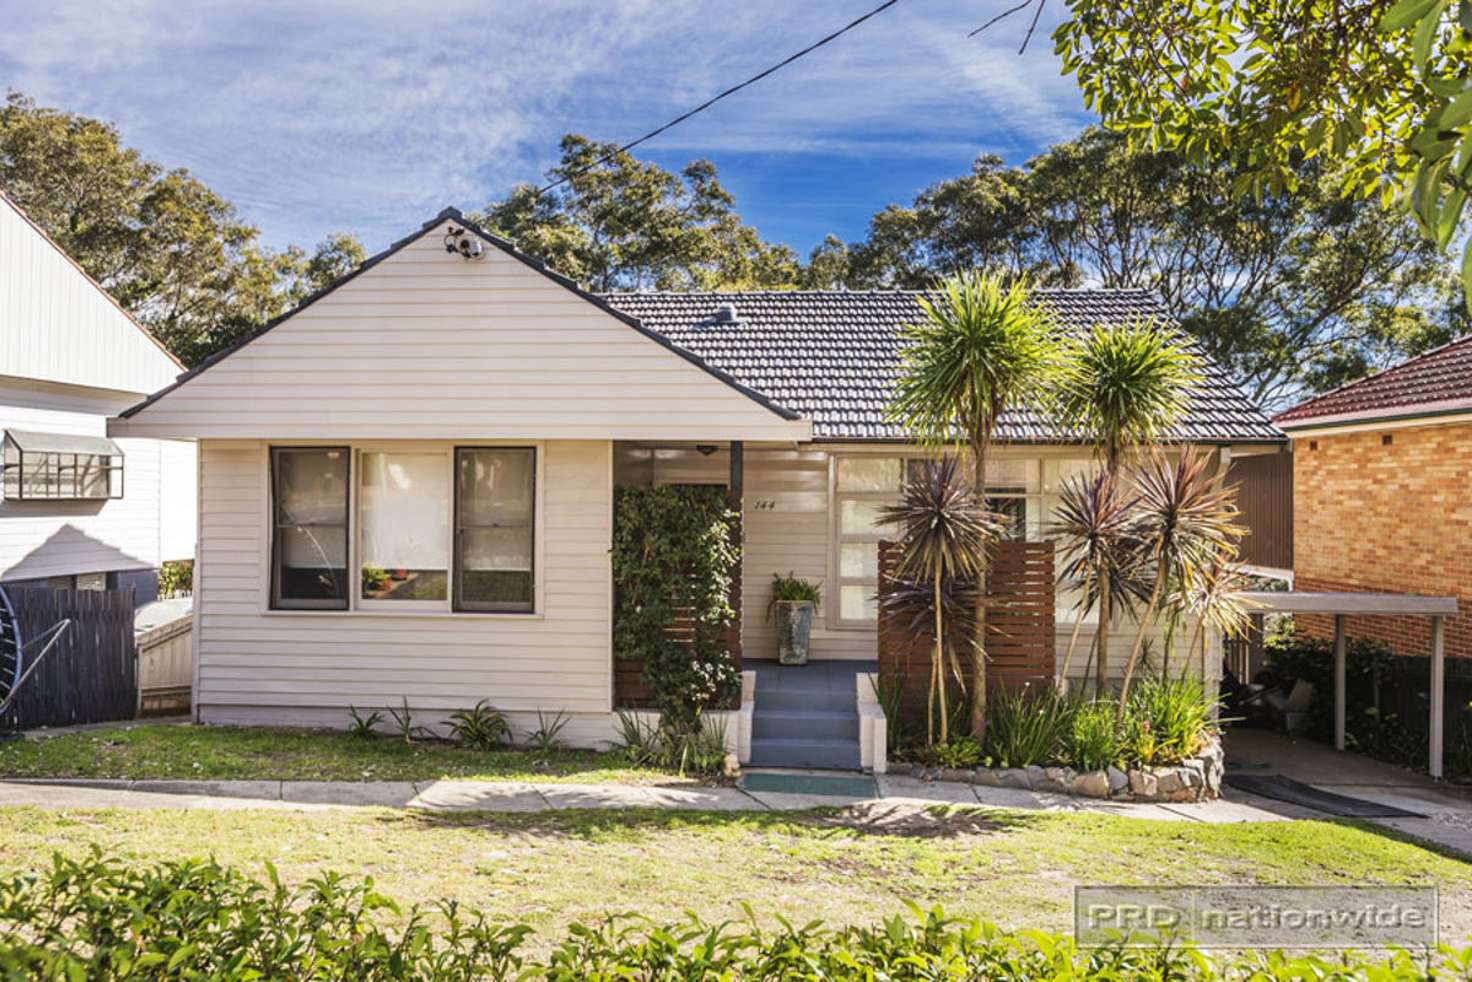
{"x":308,"y":667}
{"x":56,"y":325}
{"x":40,"y":539}
{"x":429,"y":345}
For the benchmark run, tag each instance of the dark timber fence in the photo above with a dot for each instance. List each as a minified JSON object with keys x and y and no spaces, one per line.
{"x":1020,"y":630}
{"x":90,"y":676}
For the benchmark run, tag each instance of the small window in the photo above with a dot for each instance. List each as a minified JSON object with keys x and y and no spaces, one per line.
{"x":495,"y":495}
{"x":58,"y":466}
{"x":309,"y":544}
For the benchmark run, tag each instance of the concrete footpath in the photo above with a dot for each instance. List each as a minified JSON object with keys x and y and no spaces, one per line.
{"x":901,"y":793}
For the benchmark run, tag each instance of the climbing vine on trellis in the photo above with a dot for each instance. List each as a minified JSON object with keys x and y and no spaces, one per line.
{"x":675,"y":556}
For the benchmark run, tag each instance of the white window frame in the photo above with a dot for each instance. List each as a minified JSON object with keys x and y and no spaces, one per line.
{"x":1035,"y":501}
{"x":355,"y":549}
{"x":357,"y":607}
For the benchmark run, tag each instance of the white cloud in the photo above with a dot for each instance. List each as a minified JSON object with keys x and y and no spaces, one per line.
{"x":371,"y":117}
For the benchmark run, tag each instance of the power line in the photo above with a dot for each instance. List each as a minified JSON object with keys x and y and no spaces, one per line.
{"x":715,"y":99}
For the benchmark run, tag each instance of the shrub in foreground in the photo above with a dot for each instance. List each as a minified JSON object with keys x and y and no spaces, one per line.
{"x":98,"y":918}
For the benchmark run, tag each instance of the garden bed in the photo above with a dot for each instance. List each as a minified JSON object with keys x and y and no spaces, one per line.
{"x":1196,"y":779}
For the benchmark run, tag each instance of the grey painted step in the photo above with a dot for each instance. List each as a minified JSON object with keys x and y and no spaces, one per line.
{"x":790,"y":699}
{"x":835,"y":754}
{"x":812,"y":724}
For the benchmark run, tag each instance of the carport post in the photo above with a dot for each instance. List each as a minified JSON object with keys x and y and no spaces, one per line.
{"x":1339,"y":658}
{"x":1438,"y":691}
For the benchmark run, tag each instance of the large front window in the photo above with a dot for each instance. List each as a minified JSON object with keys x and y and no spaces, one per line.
{"x":421,"y":529}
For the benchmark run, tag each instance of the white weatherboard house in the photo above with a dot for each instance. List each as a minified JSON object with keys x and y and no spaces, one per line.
{"x":406,"y":484}
{"x":80,"y":510}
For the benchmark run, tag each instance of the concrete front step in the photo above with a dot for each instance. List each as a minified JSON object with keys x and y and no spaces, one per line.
{"x":799,"y":724}
{"x":788,"y":752}
{"x":805,"y":699}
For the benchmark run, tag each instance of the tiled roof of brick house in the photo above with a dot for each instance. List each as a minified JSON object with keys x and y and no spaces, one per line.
{"x":833,"y":356}
{"x":1438,"y":381}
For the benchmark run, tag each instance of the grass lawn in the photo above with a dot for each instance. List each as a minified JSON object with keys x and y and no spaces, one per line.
{"x":1015,"y":869}
{"x":156,"y":750}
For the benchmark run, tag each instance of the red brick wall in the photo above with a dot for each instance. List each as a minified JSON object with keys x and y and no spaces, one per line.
{"x":1391,"y":518}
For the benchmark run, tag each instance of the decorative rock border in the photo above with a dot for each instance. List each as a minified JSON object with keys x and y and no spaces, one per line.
{"x":1196,"y":779}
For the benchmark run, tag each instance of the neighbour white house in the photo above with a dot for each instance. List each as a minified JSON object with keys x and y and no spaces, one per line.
{"x":80,"y":510}
{"x":406,"y":484}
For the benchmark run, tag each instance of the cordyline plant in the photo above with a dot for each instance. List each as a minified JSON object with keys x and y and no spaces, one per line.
{"x":1186,"y":523}
{"x":944,"y":531}
{"x":1213,"y":599}
{"x":1095,"y":528}
{"x":981,"y":350}
{"x":1124,"y":387}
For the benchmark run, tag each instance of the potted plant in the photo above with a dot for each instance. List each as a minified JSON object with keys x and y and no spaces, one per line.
{"x":793,"y":600}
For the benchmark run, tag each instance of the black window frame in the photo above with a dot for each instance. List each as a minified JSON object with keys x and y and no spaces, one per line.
{"x":458,"y":604}
{"x":277,"y":601}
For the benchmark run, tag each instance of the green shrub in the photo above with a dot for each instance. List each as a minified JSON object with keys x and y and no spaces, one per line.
{"x":363,"y":726}
{"x":98,"y":918}
{"x":1025,"y":726}
{"x":176,"y":578}
{"x":1167,"y":721}
{"x":1091,"y":742}
{"x":646,"y":743}
{"x":960,"y":751}
{"x":480,"y":728}
{"x":548,"y":734}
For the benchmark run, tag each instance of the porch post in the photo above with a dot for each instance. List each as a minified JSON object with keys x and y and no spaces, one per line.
{"x":735,"y":482}
{"x":1339,"y":660}
{"x":1438,"y":691}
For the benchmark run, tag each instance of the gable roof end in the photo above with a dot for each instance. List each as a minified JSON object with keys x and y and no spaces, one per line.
{"x":454,"y":215}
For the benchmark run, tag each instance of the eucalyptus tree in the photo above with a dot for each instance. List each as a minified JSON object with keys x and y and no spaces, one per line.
{"x":944,"y":529}
{"x":1123,"y":387}
{"x":983,"y":348}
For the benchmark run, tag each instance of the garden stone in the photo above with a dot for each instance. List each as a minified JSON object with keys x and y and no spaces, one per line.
{"x":1092,"y":784}
{"x":1059,"y":778}
{"x":1168,"y":781}
{"x":1142,"y":784}
{"x":1036,"y":779}
{"x":987,"y":777}
{"x":1012,"y":777}
{"x":1183,"y":795}
{"x":1118,"y":780}
{"x":956,"y":774}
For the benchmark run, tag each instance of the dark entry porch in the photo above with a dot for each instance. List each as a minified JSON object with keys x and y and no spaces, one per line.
{"x":807,"y":715}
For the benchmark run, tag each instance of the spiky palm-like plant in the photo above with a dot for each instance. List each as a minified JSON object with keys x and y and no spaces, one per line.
{"x":944,"y":530}
{"x":1214,"y":599}
{"x":1186,"y":523}
{"x":1095,"y":524}
{"x":1124,"y":387}
{"x":982,"y":349}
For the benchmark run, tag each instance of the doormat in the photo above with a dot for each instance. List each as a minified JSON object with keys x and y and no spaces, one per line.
{"x":1281,"y":788}
{"x":838,"y":787}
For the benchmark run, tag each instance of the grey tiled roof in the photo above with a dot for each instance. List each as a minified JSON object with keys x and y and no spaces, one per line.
{"x":833,"y":356}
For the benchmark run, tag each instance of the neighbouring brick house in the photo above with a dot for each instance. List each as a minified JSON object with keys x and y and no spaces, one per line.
{"x":1382,"y":494}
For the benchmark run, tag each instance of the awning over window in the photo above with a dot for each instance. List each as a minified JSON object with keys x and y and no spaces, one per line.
{"x":30,"y":441}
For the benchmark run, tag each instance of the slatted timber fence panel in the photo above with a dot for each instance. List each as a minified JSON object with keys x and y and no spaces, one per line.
{"x":629,"y":690}
{"x":90,"y":676}
{"x":1020,"y":622}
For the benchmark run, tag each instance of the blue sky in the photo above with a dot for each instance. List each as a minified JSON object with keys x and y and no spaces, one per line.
{"x":320,"y":117}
